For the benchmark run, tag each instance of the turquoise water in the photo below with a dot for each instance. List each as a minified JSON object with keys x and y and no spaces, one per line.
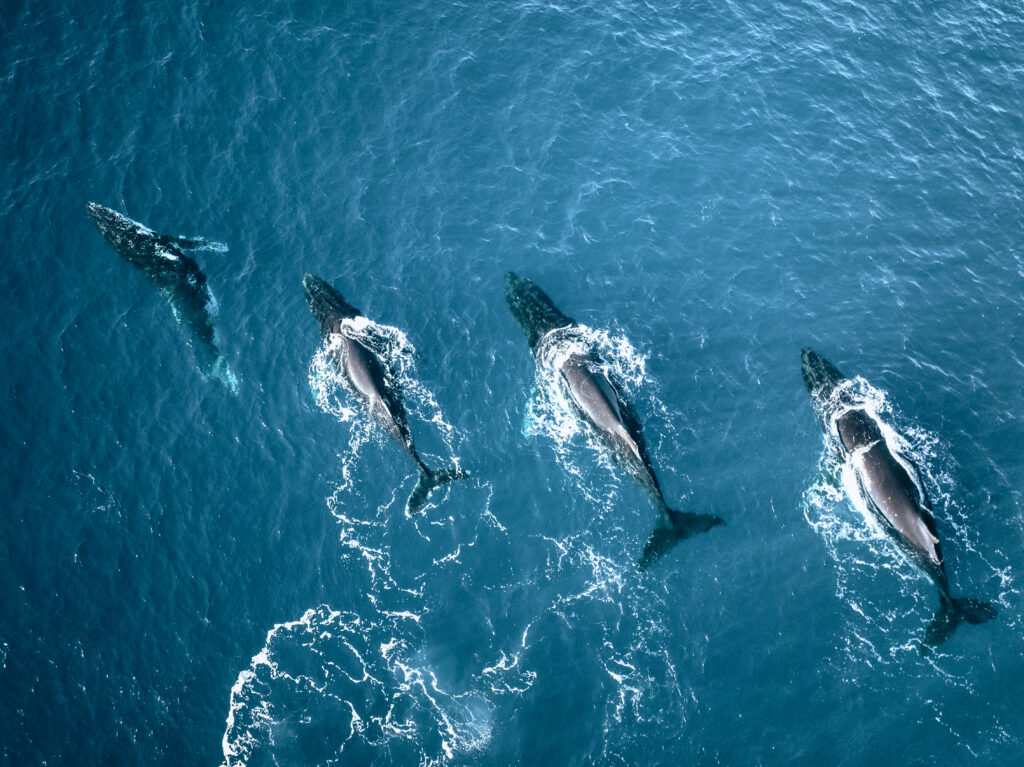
{"x":194,"y":576}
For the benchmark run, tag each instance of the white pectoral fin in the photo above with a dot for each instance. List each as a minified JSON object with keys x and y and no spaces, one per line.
{"x":924,"y":533}
{"x":630,"y":442}
{"x":928,"y":540}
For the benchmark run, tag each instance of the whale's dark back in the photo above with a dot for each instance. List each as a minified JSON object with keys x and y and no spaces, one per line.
{"x":174,"y":273}
{"x":153,"y":254}
{"x":123,"y":234}
{"x":532,"y":308}
{"x":820,"y":376}
{"x":327,"y":304}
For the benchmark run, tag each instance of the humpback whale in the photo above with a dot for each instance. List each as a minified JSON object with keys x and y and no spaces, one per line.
{"x":377,"y":391}
{"x":177,"y":276}
{"x":891,"y":489}
{"x":599,"y":402}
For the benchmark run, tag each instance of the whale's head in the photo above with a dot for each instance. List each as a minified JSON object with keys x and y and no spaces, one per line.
{"x":326,"y":304}
{"x":532,"y":308}
{"x":105,"y":218}
{"x":820,"y":375}
{"x":114,"y":227}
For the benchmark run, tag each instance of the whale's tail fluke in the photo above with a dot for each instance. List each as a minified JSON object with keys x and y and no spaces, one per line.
{"x":223,"y":373}
{"x":673,"y":526}
{"x":951,"y":614}
{"x":427,"y":483}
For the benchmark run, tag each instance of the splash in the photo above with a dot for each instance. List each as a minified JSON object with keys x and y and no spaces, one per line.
{"x":223,"y":373}
{"x":334,"y":684}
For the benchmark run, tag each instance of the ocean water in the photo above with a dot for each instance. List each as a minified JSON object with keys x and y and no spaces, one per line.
{"x":194,"y":576}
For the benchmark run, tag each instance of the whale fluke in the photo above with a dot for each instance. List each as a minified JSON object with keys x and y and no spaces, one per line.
{"x":953,"y":612}
{"x":223,"y":372}
{"x":673,"y":526}
{"x":427,"y":483}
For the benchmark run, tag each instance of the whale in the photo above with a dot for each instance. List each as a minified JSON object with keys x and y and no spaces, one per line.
{"x":891,"y":488}
{"x":599,"y":402}
{"x":161,"y":258}
{"x":370,"y":381}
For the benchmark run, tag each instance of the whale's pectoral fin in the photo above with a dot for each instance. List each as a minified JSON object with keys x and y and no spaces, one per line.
{"x":950,"y":615}
{"x":193,"y":243}
{"x":633,"y":430}
{"x":631,"y":444}
{"x":673,"y":526}
{"x":428,"y":482}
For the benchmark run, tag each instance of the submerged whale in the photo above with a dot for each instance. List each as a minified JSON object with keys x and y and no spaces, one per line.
{"x":598,"y":402}
{"x":177,"y":276}
{"x":376,"y":390}
{"x":891,"y":489}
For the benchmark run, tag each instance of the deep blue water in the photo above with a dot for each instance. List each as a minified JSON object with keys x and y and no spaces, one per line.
{"x":189,"y":576}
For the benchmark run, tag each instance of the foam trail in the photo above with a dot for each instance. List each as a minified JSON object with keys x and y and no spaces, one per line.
{"x":362,"y":674}
{"x":595,"y":594}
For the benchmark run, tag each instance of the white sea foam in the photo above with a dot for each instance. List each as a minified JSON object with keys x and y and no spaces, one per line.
{"x":380,"y":696}
{"x":398,"y":355}
{"x":623,"y":614}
